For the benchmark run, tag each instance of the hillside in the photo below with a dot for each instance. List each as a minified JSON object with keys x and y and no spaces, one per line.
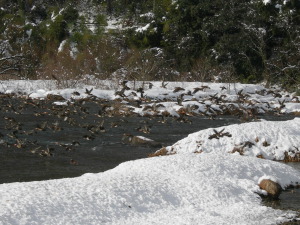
{"x":246,"y":41}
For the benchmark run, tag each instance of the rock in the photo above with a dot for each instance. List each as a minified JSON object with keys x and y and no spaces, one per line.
{"x":139,"y":141}
{"x":272,"y":188}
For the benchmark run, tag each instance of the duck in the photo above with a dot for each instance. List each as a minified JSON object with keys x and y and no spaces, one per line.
{"x":74,"y":162}
{"x":177,"y":89}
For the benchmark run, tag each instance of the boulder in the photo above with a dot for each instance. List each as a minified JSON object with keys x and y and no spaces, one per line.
{"x":139,"y":141}
{"x":272,"y":188}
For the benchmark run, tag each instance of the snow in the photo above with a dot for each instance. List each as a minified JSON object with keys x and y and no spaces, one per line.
{"x":292,"y":107}
{"x":269,"y":139}
{"x":114,"y":24}
{"x":74,"y":50}
{"x":266,"y":1}
{"x":148,"y":15}
{"x":144,"y":28}
{"x":211,"y":187}
{"x":60,"y":103}
{"x":29,"y":32}
{"x":182,"y":189}
{"x":62,"y":45}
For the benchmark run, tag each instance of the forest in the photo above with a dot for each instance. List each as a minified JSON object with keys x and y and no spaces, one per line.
{"x":248,"y":41}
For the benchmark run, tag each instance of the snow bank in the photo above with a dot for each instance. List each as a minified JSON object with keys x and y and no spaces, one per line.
{"x":181,"y":189}
{"x":267,"y":139}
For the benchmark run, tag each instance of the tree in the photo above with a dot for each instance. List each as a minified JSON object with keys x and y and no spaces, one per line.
{"x":109,"y":7}
{"x":9,"y":64}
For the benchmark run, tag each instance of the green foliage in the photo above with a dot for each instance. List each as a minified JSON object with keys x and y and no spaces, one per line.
{"x":77,"y":37}
{"x":37,"y":13}
{"x":57,"y":31}
{"x":244,"y":34}
{"x":70,"y":15}
{"x":101,"y":20}
{"x":100,"y":23}
{"x":150,"y":37}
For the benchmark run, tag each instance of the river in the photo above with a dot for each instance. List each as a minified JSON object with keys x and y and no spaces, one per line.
{"x":66,"y":148}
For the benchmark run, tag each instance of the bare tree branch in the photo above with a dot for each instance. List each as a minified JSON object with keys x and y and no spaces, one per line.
{"x":11,"y":64}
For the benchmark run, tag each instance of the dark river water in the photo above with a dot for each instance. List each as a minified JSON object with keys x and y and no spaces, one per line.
{"x":104,"y":152}
{"x":43,"y":142}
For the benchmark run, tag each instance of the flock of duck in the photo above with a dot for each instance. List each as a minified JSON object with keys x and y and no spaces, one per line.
{"x":41,"y":127}
{"x":190,"y":103}
{"x":26,"y":121}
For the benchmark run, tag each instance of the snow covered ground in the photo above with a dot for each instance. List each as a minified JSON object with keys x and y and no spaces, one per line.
{"x":209,"y":188}
{"x":214,"y":187}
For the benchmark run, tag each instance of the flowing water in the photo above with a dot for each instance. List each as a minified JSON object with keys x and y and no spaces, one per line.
{"x":289,"y":199}
{"x":104,"y":152}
